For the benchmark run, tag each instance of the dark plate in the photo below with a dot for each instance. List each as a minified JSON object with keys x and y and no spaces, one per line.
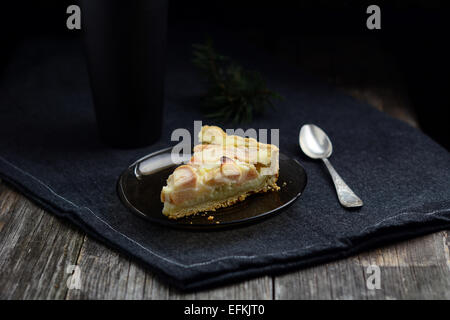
{"x":142,"y":195}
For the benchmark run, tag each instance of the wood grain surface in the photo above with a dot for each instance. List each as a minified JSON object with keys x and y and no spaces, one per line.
{"x":36,"y":248}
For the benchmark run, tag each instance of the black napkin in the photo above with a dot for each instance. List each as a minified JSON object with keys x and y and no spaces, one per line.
{"x":49,"y":149}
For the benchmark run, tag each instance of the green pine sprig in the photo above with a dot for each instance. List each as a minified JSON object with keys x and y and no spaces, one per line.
{"x":233,"y":94}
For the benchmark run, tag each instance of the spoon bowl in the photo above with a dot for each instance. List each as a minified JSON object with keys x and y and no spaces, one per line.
{"x":314,"y":142}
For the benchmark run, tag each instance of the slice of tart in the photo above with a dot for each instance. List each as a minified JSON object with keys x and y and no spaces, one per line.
{"x":223,"y":170}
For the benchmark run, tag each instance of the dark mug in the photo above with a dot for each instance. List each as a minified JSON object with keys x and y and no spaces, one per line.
{"x":125,"y":43}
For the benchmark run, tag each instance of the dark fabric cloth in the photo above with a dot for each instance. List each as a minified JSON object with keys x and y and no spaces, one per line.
{"x":49,"y":150}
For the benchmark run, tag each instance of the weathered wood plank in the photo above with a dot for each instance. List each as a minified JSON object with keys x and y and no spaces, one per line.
{"x":414,"y":269}
{"x":419,"y":268}
{"x":35,"y":249}
{"x":256,"y":289}
{"x":106,"y":274}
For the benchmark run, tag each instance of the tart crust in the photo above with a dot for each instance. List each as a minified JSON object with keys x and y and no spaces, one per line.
{"x":214,"y":205}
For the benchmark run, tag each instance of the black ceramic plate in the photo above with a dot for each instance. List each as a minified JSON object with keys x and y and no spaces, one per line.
{"x":141,"y":194}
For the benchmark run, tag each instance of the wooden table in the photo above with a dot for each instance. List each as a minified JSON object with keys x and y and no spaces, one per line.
{"x":36,"y":247}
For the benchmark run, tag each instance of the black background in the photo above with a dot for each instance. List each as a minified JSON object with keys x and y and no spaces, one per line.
{"x":413,"y":31}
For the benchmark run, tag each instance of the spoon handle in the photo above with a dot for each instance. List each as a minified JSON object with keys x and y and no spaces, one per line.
{"x":346,"y":196}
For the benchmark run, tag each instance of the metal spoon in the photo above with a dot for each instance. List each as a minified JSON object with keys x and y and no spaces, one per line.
{"x":316,"y":144}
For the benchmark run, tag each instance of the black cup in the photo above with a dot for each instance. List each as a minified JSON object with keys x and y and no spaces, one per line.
{"x":125,"y":43}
